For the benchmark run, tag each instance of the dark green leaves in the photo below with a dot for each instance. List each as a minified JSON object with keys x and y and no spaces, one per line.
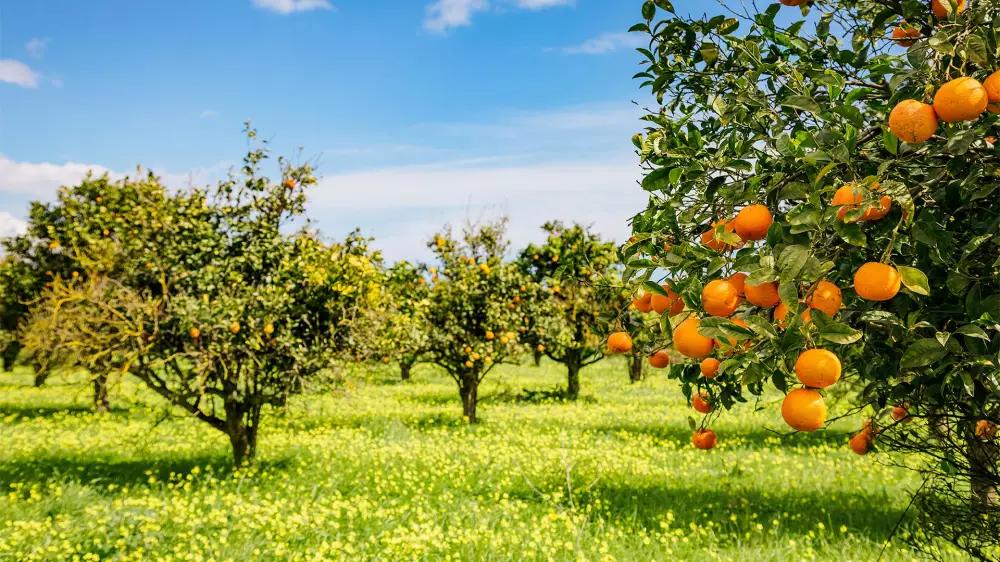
{"x":922,"y":353}
{"x":805,"y":103}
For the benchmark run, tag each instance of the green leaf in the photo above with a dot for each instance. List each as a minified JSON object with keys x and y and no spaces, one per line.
{"x":804,"y":103}
{"x":922,"y":353}
{"x":838,"y":332}
{"x":791,"y":261}
{"x":973,"y":331}
{"x":914,"y":279}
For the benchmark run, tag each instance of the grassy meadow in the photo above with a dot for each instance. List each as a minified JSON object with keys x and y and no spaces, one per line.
{"x":384,"y":470}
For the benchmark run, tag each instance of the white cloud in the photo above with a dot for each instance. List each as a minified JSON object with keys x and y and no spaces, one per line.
{"x":11,"y":225}
{"x":41,"y":178}
{"x":292,"y":6}
{"x":403,"y":207}
{"x":16,"y":72}
{"x":605,"y":43}
{"x":443,"y":15}
{"x":208,"y":114}
{"x":36,"y":47}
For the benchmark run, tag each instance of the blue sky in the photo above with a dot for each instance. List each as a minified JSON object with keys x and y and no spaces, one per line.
{"x":418,"y":112}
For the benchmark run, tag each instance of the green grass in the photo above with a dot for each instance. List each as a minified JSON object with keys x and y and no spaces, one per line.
{"x":386,"y":471}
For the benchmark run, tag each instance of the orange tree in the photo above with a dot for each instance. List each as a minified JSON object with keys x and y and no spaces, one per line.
{"x":575,"y":268}
{"x":477,"y":306}
{"x":246,"y":308}
{"x":838,"y":154}
{"x":395,"y":327}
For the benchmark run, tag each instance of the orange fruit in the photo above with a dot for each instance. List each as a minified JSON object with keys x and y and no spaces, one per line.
{"x":992,"y":85}
{"x":689,"y":342}
{"x":234,"y":328}
{"x":619,"y":342}
{"x":710,"y":367}
{"x":289,"y":183}
{"x":942,"y":8}
{"x":861,"y":442}
{"x":905,"y":35}
{"x":878,"y":213}
{"x":670,"y":302}
{"x":792,"y":2}
{"x":195,"y":333}
{"x":781,"y":315}
{"x":913,"y":121}
{"x":985,"y":429}
{"x":900,"y":413}
{"x":764,"y":295}
{"x":643,"y":303}
{"x":700,"y":402}
{"x":826,"y":297}
{"x":753,"y":222}
{"x":804,"y":409}
{"x":818,"y":368}
{"x":704,"y":439}
{"x":961,"y":99}
{"x":659,"y":360}
{"x":739,"y":280}
{"x":850,"y":197}
{"x":268,"y":329}
{"x":720,"y":298}
{"x":876,"y":281}
{"x":708,"y":237}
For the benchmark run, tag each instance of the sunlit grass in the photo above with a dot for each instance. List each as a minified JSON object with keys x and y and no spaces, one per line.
{"x":386,"y":470}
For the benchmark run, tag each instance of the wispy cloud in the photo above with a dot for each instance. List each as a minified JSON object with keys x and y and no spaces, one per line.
{"x":292,"y":6}
{"x":18,"y":73}
{"x":11,"y":225}
{"x":37,"y":46}
{"x":208,"y":114}
{"x":443,"y":15}
{"x":605,"y":43}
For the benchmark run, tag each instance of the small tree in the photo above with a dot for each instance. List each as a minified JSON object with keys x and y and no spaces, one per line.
{"x":476,"y":308}
{"x":576,"y":269}
{"x":247,"y":308}
{"x":396,"y":329}
{"x":800,"y":152}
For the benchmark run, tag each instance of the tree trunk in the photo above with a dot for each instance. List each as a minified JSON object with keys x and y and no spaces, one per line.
{"x":572,"y":379}
{"x":101,"y":404}
{"x":983,"y":457}
{"x":241,"y":427}
{"x":41,"y":373}
{"x":537,"y":357}
{"x":10,"y":353}
{"x":468,"y":389}
{"x":635,"y":367}
{"x":405,"y":366}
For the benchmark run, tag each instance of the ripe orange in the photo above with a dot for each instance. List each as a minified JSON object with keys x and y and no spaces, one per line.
{"x":704,"y":439}
{"x":905,"y":35}
{"x":764,"y":295}
{"x":700,"y":402}
{"x":643,"y":303}
{"x":962,"y":99}
{"x":992,"y":85}
{"x":913,"y":121}
{"x":792,"y":2}
{"x":540,"y":348}
{"x":850,"y":197}
{"x":708,"y":237}
{"x":900,"y":413}
{"x":876,"y":281}
{"x":818,"y":368}
{"x":826,"y":297}
{"x":671,"y":301}
{"x":781,"y":315}
{"x":619,"y":342}
{"x":195,"y":333}
{"x":659,"y":360}
{"x":861,"y":442}
{"x":942,"y":8}
{"x":289,"y":183}
{"x":234,"y":328}
{"x":720,"y":298}
{"x":268,"y":329}
{"x":710,"y":367}
{"x":804,"y":409}
{"x":986,"y":430}
{"x":753,"y":222}
{"x":739,"y":280}
{"x":490,"y":335}
{"x":689,"y":342}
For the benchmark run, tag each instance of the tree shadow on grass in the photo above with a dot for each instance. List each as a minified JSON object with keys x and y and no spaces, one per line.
{"x":123,"y":472}
{"x":798,"y":509}
{"x":24,"y":411}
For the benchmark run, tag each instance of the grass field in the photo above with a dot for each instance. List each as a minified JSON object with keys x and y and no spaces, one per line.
{"x":386,"y":471}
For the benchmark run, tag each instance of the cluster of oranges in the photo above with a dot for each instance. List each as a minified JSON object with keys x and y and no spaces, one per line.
{"x":958,"y":100}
